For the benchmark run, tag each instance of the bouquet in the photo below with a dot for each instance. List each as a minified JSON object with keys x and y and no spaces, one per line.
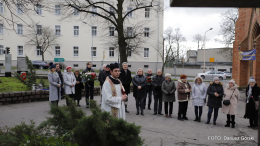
{"x":89,"y":77}
{"x":148,"y":80}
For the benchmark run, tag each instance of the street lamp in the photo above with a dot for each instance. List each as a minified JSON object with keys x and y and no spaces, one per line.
{"x":92,"y":41}
{"x":204,"y":47}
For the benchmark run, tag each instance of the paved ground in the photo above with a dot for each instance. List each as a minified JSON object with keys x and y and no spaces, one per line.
{"x":156,"y":130}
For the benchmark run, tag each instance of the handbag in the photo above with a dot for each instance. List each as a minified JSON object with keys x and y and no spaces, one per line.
{"x":256,"y":104}
{"x":227,"y":102}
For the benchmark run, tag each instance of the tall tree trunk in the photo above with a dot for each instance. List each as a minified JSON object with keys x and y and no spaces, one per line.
{"x":42,"y":56}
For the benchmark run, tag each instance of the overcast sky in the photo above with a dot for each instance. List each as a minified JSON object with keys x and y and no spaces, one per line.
{"x":192,"y":21}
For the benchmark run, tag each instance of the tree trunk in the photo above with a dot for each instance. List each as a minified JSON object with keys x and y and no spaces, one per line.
{"x":42,"y":56}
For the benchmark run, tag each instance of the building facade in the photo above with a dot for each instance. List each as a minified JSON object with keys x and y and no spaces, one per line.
{"x":77,"y":36}
{"x":247,"y":37}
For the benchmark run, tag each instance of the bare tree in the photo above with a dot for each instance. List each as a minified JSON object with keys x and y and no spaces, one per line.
{"x":42,"y":39}
{"x":110,"y":13}
{"x":179,"y":41}
{"x":227,"y":25}
{"x":198,"y":38}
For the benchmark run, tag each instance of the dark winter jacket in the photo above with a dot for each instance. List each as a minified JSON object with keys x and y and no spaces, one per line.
{"x":61,"y":77}
{"x":251,"y":112}
{"x":214,"y":101}
{"x":102,"y":76}
{"x":139,"y":80}
{"x":157,"y":85}
{"x":126,"y":80}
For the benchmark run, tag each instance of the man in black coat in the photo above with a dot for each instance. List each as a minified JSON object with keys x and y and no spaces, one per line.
{"x":89,"y":86}
{"x":149,"y":90}
{"x":126,"y":79}
{"x":104,"y":74}
{"x":100,"y":75}
{"x":61,"y":78}
{"x":157,"y":92}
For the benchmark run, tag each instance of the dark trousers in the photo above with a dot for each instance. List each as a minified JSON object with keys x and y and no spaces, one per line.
{"x":71,"y":96}
{"x":198,"y":111}
{"x":149,"y":93}
{"x":254,"y":120}
{"x":166,"y":107}
{"x":232,"y":118}
{"x":89,"y":92}
{"x":183,"y":106}
{"x":157,"y":106}
{"x":55,"y":103}
{"x":139,"y":103}
{"x":215,"y":113}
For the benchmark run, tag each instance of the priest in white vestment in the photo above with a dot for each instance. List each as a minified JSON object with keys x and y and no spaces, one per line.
{"x":113,"y":95}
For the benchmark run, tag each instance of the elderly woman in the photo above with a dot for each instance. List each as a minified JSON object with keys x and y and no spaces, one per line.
{"x":184,"y":89}
{"x":139,"y":82}
{"x":252,"y":94}
{"x":78,"y":87}
{"x":69,"y":83}
{"x":199,"y":94}
{"x":168,"y":89}
{"x":215,"y":92}
{"x":231,"y":93}
{"x":55,"y":85}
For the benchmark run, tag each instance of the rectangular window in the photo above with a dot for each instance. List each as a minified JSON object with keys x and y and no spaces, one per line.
{"x":39,"y":29}
{"x":111,"y":52}
{"x":39,"y":9}
{"x":75,"y":51}
{"x":76,"y":30}
{"x":129,"y":31}
{"x":57,"y":50}
{"x":20,"y":50}
{"x":75,"y":65}
{"x":57,"y":29}
{"x":147,"y":12}
{"x":112,"y":11}
{"x":1,"y":7}
{"x":1,"y":28}
{"x":38,"y":51}
{"x":1,"y":50}
{"x":94,"y":51}
{"x":111,"y":31}
{"x":129,"y":52}
{"x":146,"y":66}
{"x":94,"y":65}
{"x":130,"y":15}
{"x":76,"y":12}
{"x":57,"y":10}
{"x":146,"y":52}
{"x":146,"y":32}
{"x":19,"y":29}
{"x":19,"y":8}
{"x":94,"y":31}
{"x":129,"y":66}
{"x":94,"y":9}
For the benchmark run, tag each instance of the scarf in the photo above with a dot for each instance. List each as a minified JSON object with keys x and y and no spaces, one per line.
{"x":249,"y":94}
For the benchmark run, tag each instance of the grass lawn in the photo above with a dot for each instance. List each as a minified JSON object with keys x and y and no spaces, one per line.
{"x":10,"y":84}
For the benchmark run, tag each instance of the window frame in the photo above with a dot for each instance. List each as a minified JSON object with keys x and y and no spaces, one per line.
{"x":75,"y":12}
{"x":57,"y":29}
{"x":39,"y":51}
{"x":1,"y":28}
{"x":57,"y":10}
{"x":111,"y":31}
{"x":18,"y":49}
{"x":2,"y":50}
{"x":55,"y":51}
{"x":94,"y":30}
{"x":1,"y":8}
{"x":74,"y":47}
{"x":91,"y":53}
{"x":147,"y":52}
{"x":127,"y":31}
{"x":19,"y":10}
{"x":110,"y":51}
{"x":38,"y":8}
{"x":130,"y":15}
{"x":20,"y":29}
{"x":145,"y":12}
{"x":75,"y":29}
{"x":94,"y":9}
{"x":38,"y":29}
{"x":147,"y":33}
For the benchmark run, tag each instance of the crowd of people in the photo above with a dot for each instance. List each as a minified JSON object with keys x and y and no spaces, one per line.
{"x":115,"y":86}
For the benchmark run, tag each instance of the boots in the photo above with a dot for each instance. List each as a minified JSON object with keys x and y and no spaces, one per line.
{"x":126,"y":109}
{"x":149,"y":107}
{"x":228,"y":124}
{"x":196,"y":119}
{"x":233,"y":124}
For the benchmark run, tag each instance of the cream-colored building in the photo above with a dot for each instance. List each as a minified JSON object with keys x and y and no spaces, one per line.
{"x":76,"y":34}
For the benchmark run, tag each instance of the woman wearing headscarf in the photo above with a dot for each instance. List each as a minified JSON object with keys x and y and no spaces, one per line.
{"x":78,"y":87}
{"x":252,"y":94}
{"x":216,"y":93}
{"x":55,"y":85}
{"x":231,"y":93}
{"x":139,"y":82}
{"x":199,"y":94}
{"x":69,"y":83}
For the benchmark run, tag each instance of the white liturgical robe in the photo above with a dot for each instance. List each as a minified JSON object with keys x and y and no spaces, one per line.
{"x":109,"y":101}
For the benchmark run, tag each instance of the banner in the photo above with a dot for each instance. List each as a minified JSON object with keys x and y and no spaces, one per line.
{"x":247,"y":55}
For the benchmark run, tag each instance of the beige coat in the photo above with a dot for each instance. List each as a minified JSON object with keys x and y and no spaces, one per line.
{"x":232,"y":108}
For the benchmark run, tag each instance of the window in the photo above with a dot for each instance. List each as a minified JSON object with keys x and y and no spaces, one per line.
{"x":57,"y":29}
{"x":94,"y":9}
{"x":1,"y":7}
{"x":75,"y":65}
{"x":112,"y":10}
{"x":111,"y":52}
{"x":146,"y":52}
{"x":147,"y":12}
{"x":111,"y":31}
{"x":94,"y":65}
{"x":38,"y":51}
{"x":1,"y":28}
{"x":19,"y":8}
{"x":57,"y":50}
{"x":57,"y":9}
{"x":20,"y":50}
{"x":129,"y":66}
{"x":39,"y":29}
{"x":76,"y":12}
{"x":94,"y":51}
{"x":146,"y":32}
{"x":19,"y":29}
{"x":76,"y":30}
{"x":75,"y":51}
{"x":1,"y":50}
{"x":130,"y":15}
{"x":129,"y":31}
{"x":129,"y":52}
{"x":1,"y":64}
{"x":94,"y":31}
{"x":39,"y":9}
{"x":146,"y":66}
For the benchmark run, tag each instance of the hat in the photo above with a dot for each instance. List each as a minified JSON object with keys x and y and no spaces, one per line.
{"x":183,"y":77}
{"x":108,"y":66}
{"x":251,"y":79}
{"x":68,"y":67}
{"x":215,"y":79}
{"x":114,"y":66}
{"x":51,"y":65}
{"x":232,"y":81}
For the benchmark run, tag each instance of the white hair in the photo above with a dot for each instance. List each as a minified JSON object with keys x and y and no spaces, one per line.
{"x":104,"y":65}
{"x":138,"y":70}
{"x":167,"y":75}
{"x":124,"y":63}
{"x":159,"y":70}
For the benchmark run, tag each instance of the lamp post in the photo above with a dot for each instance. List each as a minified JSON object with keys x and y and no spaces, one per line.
{"x":92,"y":41}
{"x":204,"y":47}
